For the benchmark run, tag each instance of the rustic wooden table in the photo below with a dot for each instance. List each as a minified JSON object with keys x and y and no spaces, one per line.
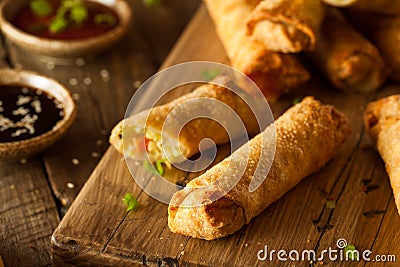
{"x":350,"y":198}
{"x":35,"y":194}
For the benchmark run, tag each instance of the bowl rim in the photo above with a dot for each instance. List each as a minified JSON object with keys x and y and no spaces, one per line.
{"x":56,"y":46}
{"x":61,"y":125}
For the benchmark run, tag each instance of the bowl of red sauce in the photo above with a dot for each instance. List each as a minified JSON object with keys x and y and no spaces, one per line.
{"x":64,"y":28}
{"x":35,"y":111}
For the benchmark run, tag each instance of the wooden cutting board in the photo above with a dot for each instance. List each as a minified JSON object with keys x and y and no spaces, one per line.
{"x":97,"y":230}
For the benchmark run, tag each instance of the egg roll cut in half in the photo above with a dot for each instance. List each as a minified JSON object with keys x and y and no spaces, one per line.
{"x":274,"y":73}
{"x":384,"y":32}
{"x":288,"y":26}
{"x":127,"y":136}
{"x":388,"y":7}
{"x":348,"y":59}
{"x":382,"y":121}
{"x":307,"y":136}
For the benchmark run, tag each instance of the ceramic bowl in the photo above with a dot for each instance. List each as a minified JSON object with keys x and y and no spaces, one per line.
{"x":28,"y":147}
{"x":63,"y":48}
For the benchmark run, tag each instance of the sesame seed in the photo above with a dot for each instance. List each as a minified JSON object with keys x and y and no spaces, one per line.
{"x":50,"y":66}
{"x":183,"y":253}
{"x":76,"y":96}
{"x":95,"y":155}
{"x":23,"y":161}
{"x":73,"y":81}
{"x":99,"y":142}
{"x":12,"y":186}
{"x":103,"y":132}
{"x":87,"y":81}
{"x":137,"y":84}
{"x":71,"y":185}
{"x":80,"y":62}
{"x":75,"y":161}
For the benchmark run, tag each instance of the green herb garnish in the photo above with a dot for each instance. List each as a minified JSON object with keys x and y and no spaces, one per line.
{"x":152,"y":2}
{"x":41,"y":8}
{"x":297,"y":100}
{"x":58,"y":24}
{"x":331,"y":204}
{"x":130,"y":201}
{"x":159,"y":166}
{"x":105,"y":18}
{"x":79,"y":13}
{"x":351,"y":251}
{"x":148,"y":166}
{"x":209,"y":74}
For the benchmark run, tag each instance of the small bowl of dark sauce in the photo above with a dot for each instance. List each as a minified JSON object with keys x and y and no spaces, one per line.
{"x":64,"y":28}
{"x":35,"y":111}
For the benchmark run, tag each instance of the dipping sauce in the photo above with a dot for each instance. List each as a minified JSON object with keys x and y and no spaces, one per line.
{"x":26,"y":112}
{"x":100,"y":19}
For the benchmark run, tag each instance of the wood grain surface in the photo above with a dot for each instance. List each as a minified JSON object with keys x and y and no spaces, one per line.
{"x":35,"y":193}
{"x":97,"y":229}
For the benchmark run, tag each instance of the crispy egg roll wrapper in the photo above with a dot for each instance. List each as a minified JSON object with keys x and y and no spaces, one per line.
{"x":308,"y":135}
{"x":382,"y":121}
{"x":384,"y":32}
{"x":389,"y":7}
{"x":195,"y":130}
{"x":274,"y":73}
{"x":287,"y":26}
{"x":348,"y":59}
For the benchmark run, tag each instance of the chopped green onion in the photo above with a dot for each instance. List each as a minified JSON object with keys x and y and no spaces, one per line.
{"x":41,"y":8}
{"x":331,"y":204}
{"x":58,"y":24}
{"x":209,"y":74}
{"x":152,"y":2}
{"x":79,"y":13}
{"x":105,"y":18}
{"x":130,"y":201}
{"x":159,"y":166}
{"x":148,"y":166}
{"x":297,"y":100}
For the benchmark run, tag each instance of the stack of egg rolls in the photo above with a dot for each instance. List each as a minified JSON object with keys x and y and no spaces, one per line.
{"x":274,"y":73}
{"x":348,"y":59}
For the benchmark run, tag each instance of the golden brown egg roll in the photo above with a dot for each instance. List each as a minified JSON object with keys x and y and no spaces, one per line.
{"x":274,"y":73}
{"x":307,"y":136}
{"x":127,"y":136}
{"x":287,"y":26}
{"x":348,"y":60}
{"x":384,"y":32}
{"x":382,"y":121}
{"x":390,"y":7}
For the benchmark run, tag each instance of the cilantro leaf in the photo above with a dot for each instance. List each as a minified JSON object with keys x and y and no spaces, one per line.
{"x":297,"y":100}
{"x":79,"y":13}
{"x":105,"y":18}
{"x":58,"y":24}
{"x":209,"y":74}
{"x":130,"y":201}
{"x":149,"y":167}
{"x":159,"y":166}
{"x":331,"y":204}
{"x":41,"y":8}
{"x":152,"y":2}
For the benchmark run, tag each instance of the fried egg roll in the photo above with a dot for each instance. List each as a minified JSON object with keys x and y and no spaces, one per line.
{"x":382,"y":121}
{"x":274,"y":73}
{"x":128,"y":137}
{"x":384,"y":32}
{"x":287,"y":26}
{"x":389,"y":7}
{"x":346,"y":58}
{"x":307,"y":136}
